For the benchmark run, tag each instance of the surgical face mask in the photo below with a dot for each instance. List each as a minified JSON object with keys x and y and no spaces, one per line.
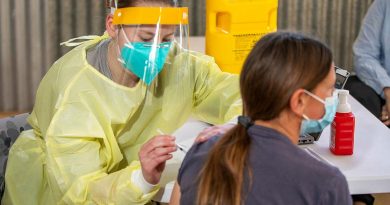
{"x":145,"y":60}
{"x":315,"y":126}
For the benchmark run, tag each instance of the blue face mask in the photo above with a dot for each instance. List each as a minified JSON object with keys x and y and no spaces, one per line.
{"x":145,"y":60}
{"x":315,"y":126}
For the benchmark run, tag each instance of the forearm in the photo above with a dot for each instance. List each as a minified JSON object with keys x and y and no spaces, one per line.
{"x":100,"y":187}
{"x":386,"y":92}
{"x":368,"y":70}
{"x":122,"y":187}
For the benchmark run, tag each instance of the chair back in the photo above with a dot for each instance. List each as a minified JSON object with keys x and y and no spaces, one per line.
{"x":10,"y":129}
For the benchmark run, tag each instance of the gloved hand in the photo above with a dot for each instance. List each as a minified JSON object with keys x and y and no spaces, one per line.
{"x":153,"y":155}
{"x":213,"y":131}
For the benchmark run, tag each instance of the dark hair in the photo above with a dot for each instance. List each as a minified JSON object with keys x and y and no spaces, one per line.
{"x":132,"y":3}
{"x":279,"y":64}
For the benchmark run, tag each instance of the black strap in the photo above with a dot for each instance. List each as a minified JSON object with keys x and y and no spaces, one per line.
{"x":245,"y":121}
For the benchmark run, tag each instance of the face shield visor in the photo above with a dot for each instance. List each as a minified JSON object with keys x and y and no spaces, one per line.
{"x":148,"y":38}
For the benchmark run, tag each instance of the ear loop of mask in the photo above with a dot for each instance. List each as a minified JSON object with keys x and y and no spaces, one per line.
{"x":315,"y":97}
{"x":143,"y":91}
{"x":119,"y":56}
{"x":127,"y":44}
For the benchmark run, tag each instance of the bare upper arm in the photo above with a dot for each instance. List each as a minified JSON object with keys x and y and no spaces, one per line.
{"x":175,"y":197}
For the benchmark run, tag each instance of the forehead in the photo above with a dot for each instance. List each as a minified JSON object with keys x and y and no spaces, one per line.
{"x":152,"y":4}
{"x":151,"y":28}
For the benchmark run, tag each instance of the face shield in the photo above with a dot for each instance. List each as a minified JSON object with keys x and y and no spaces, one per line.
{"x":148,"y":38}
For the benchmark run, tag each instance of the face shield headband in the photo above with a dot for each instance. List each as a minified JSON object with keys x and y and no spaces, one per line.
{"x":147,"y":59}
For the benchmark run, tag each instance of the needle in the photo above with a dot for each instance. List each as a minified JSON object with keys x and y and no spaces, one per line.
{"x":179,"y":146}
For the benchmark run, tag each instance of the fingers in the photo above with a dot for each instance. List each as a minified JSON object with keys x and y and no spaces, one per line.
{"x":157,"y":146}
{"x":213,"y":131}
{"x":207,"y":134}
{"x":153,"y":155}
{"x":162,"y":159}
{"x":160,"y":151}
{"x":204,"y":136}
{"x":385,"y":116}
{"x":156,"y":166}
{"x":158,"y":141}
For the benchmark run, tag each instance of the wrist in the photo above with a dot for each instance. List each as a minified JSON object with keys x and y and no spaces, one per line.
{"x":140,"y":181}
{"x":386,"y":92}
{"x":148,"y":178}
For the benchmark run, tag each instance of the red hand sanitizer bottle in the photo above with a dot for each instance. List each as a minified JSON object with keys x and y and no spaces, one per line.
{"x":343,"y":127}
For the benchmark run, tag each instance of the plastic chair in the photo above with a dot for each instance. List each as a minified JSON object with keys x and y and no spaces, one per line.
{"x":10,"y":128}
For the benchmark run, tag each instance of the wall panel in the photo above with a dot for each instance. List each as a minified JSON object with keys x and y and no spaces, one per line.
{"x":31,"y":30}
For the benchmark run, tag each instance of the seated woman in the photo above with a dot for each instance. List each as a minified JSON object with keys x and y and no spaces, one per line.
{"x":287,"y":88}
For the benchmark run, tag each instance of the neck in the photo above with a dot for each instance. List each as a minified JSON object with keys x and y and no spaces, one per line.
{"x":120,"y":74}
{"x":286,"y":124}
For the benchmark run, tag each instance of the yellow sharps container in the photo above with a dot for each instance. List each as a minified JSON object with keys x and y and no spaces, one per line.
{"x":234,"y":26}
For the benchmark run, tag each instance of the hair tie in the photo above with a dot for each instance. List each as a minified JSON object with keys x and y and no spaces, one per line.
{"x":245,"y":121}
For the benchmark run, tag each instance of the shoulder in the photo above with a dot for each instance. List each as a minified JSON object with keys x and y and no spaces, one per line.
{"x":327,"y":177}
{"x":204,"y":147}
{"x":326,"y":182}
{"x":201,"y":63}
{"x":379,"y":6}
{"x":308,"y":169}
{"x":199,"y":151}
{"x":59,"y":77}
{"x":204,"y":66}
{"x":335,"y":189}
{"x":66,"y":68}
{"x":196,"y":157}
{"x":317,"y":167}
{"x":191,"y":63}
{"x":382,"y":2}
{"x":194,"y":55}
{"x":65,"y":64}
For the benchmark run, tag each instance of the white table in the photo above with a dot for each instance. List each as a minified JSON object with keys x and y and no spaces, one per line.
{"x":367,"y":170}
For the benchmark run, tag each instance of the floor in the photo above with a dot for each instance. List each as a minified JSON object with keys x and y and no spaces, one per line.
{"x":382,"y":199}
{"x":7,"y":114}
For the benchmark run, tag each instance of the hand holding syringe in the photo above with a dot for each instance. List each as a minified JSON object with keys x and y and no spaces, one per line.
{"x":179,"y":146}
